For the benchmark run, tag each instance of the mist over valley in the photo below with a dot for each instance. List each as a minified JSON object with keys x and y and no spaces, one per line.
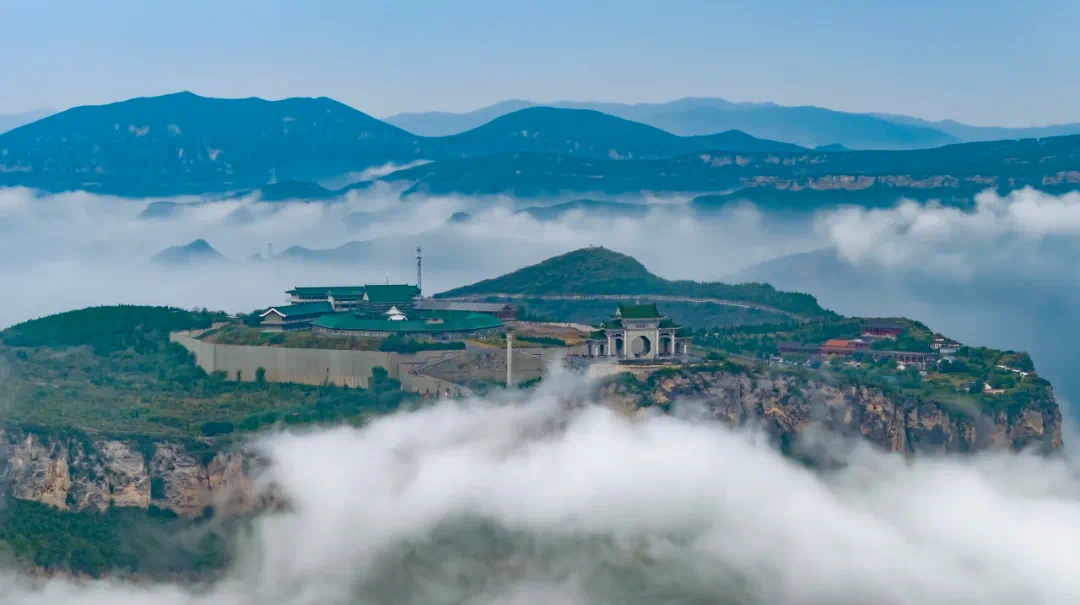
{"x":365,"y":304}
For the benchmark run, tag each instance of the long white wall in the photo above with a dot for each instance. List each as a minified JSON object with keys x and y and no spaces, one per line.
{"x":424,"y":372}
{"x":303,"y":366}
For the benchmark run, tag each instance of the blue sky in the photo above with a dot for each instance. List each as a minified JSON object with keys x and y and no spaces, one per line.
{"x":980,"y":61}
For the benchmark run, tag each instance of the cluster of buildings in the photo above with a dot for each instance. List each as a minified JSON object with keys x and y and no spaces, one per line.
{"x":635,"y":333}
{"x":872,"y":331}
{"x":382,"y":311}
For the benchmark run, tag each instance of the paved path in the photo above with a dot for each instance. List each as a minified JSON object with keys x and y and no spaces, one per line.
{"x":651,"y":297}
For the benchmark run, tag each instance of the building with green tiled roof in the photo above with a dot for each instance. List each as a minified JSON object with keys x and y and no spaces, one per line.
{"x":293,"y":317}
{"x":373,"y":298}
{"x":638,"y":333}
{"x":397,"y":295}
{"x":638,"y":312}
{"x":432,"y":325}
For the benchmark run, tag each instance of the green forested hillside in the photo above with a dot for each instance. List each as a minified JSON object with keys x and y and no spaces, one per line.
{"x":112,"y":370}
{"x":107,"y":329}
{"x":596,"y":271}
{"x":119,"y":540}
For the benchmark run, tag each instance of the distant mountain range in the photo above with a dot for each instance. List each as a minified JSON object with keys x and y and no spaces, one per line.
{"x":806,"y":125}
{"x":967,"y":132}
{"x":277,"y":150}
{"x":799,"y":178}
{"x":184,"y":143}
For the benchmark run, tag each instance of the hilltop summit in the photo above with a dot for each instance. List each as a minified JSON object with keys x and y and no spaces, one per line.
{"x":592,"y":270}
{"x":600,"y":271}
{"x":198,"y":251}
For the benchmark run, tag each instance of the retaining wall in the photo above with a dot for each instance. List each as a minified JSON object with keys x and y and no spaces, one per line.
{"x":307,"y":366}
{"x":422,"y":372}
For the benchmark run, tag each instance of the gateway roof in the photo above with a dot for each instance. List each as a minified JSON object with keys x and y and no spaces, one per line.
{"x":639,"y":311}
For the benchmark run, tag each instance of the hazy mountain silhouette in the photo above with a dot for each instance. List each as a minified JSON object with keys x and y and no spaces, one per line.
{"x":804,"y":126}
{"x":197,"y":252}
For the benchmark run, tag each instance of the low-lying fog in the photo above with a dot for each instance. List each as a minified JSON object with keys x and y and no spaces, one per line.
{"x":1001,"y":274}
{"x":541,"y":502}
{"x":69,"y":250}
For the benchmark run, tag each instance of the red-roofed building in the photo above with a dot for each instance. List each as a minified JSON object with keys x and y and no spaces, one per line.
{"x":836,"y":346}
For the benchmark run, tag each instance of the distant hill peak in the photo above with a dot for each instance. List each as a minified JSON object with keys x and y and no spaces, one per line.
{"x":198,"y":251}
{"x":593,"y":269}
{"x":601,"y":271}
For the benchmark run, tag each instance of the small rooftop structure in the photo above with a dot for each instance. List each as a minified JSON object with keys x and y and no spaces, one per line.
{"x":395,"y":315}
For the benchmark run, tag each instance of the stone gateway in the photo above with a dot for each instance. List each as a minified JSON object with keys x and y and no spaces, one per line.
{"x":638,"y":333}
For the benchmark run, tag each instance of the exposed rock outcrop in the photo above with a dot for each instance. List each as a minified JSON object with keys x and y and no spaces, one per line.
{"x":72,"y":472}
{"x":787,"y":406}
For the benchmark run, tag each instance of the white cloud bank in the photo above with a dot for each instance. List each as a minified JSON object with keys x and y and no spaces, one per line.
{"x":65,"y":251}
{"x":539,"y":503}
{"x":956,"y":243}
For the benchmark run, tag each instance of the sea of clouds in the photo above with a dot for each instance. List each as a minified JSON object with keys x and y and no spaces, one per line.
{"x":65,"y":251}
{"x":540,"y":500}
{"x":1000,"y":273}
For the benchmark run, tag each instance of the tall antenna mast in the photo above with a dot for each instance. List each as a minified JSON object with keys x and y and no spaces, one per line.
{"x":419,"y":275}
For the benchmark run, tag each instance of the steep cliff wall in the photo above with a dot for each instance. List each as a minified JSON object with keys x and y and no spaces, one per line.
{"x":70,"y":471}
{"x":788,"y":405}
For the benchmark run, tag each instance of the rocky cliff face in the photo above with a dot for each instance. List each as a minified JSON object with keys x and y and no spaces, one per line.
{"x":73,"y":472}
{"x":787,"y":406}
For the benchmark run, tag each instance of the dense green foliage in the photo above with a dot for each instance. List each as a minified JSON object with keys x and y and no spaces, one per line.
{"x":547,"y":341}
{"x":400,"y":344}
{"x":254,"y":336}
{"x":132,"y":381}
{"x":107,"y":329}
{"x":601,"y":271}
{"x":133,"y":540}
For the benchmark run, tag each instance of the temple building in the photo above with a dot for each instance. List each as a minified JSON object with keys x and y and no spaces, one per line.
{"x":638,"y":333}
{"x":368,"y":298}
{"x":293,"y":317}
{"x":417,"y":325}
